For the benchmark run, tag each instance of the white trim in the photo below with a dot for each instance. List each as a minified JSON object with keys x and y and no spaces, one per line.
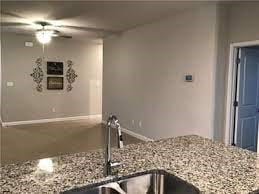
{"x":258,"y":139}
{"x":236,"y":91}
{"x":230,"y":88}
{"x":247,"y":43}
{"x":136,"y":135}
{"x":6,"y":124}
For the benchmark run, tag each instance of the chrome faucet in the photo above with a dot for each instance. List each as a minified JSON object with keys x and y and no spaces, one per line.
{"x":112,"y":121}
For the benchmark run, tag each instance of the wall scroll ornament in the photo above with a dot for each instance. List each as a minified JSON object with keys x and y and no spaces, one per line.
{"x":70,"y":75}
{"x":38,"y":74}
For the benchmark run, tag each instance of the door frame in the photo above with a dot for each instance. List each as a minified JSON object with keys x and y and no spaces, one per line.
{"x":231,"y":89}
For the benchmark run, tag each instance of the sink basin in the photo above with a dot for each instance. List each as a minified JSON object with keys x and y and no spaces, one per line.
{"x":150,"y":182}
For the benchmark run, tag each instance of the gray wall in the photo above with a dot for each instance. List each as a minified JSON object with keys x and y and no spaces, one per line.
{"x":23,"y":102}
{"x":238,"y":22}
{"x":150,"y":61}
{"x":144,"y":75}
{"x":221,"y":61}
{"x":243,"y":21}
{"x":0,"y":96}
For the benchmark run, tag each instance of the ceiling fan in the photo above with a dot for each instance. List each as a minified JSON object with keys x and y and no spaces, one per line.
{"x":46,"y":30}
{"x":44,"y":35}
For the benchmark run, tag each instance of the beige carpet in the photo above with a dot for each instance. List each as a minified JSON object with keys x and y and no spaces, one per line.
{"x":27,"y":142}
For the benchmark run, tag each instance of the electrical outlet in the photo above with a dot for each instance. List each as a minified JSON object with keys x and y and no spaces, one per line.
{"x":53,"y":109}
{"x":140,"y":124}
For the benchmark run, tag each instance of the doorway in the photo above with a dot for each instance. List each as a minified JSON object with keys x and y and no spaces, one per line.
{"x":242,"y":123}
{"x":243,"y":117}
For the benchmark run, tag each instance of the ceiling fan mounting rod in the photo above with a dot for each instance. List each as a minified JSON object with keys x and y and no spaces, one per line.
{"x":42,"y":23}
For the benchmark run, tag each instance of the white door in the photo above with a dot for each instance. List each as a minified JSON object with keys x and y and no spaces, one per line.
{"x":248,"y":99}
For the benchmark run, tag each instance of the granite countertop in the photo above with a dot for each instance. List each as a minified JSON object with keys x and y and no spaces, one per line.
{"x":210,"y":166}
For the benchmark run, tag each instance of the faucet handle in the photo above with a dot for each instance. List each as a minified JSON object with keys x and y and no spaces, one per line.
{"x":116,"y":164}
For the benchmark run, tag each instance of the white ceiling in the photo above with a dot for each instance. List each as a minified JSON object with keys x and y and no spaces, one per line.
{"x":109,"y":15}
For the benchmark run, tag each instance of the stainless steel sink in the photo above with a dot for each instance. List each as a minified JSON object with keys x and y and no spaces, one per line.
{"x":150,"y":182}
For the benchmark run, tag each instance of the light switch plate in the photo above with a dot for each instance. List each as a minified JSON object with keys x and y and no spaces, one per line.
{"x":9,"y":84}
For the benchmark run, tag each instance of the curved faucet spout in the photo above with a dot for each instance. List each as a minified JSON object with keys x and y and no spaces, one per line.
{"x":116,"y":187}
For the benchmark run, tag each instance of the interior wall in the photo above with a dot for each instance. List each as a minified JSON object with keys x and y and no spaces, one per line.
{"x":221,"y":61}
{"x":242,"y":22}
{"x":22,"y":102}
{"x":0,"y":80}
{"x":144,"y":69}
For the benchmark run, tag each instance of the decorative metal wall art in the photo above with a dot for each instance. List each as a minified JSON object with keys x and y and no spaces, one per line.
{"x":38,"y":74}
{"x":70,"y":75}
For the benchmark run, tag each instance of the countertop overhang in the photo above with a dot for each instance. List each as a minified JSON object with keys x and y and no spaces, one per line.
{"x":210,"y":166}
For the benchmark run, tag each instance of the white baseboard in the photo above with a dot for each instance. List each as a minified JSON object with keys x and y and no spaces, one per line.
{"x":6,"y":124}
{"x":136,"y":135}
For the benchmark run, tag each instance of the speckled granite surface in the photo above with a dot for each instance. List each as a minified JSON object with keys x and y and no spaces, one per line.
{"x":210,"y":166}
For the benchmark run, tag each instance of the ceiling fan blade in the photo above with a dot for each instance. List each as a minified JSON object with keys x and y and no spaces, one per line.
{"x":13,"y":24}
{"x":58,"y":34}
{"x":64,"y":36}
{"x":90,"y":29}
{"x":9,"y":14}
{"x":24,"y":34}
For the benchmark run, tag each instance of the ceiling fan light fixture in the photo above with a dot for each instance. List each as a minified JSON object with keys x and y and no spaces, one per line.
{"x":44,"y":36}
